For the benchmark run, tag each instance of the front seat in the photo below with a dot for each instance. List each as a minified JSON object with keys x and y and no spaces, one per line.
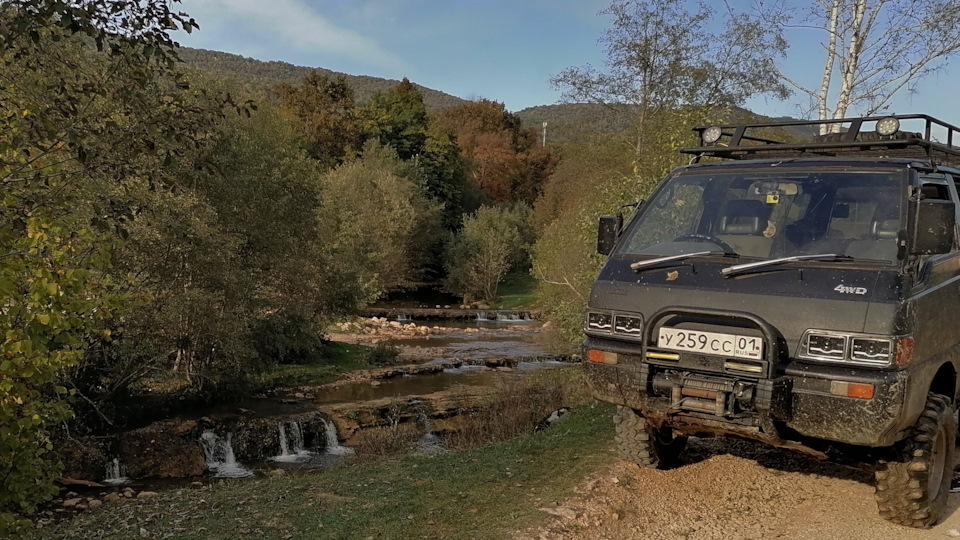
{"x":741,"y":225}
{"x":881,"y":242}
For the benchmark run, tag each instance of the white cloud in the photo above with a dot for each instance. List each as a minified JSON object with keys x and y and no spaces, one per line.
{"x":296,"y":25}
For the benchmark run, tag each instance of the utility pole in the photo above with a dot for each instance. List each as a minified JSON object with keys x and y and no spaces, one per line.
{"x":544,"y":134}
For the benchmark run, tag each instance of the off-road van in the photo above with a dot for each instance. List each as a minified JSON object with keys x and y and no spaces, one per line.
{"x":803,"y":294}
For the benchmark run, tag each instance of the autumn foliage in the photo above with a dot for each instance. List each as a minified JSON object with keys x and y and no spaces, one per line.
{"x":506,"y":161}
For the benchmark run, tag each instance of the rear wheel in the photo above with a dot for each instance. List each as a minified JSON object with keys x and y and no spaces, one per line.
{"x":641,"y":443}
{"x":912,"y":486}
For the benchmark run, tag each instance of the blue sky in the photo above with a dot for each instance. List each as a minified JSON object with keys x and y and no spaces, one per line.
{"x":505,"y":50}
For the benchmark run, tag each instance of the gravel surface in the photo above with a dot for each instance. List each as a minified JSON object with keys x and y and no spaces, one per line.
{"x":729,"y":489}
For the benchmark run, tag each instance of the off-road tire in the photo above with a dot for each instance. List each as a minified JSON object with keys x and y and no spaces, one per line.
{"x":641,"y":443}
{"x":912,"y":485}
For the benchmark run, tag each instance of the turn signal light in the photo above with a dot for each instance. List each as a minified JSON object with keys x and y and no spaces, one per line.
{"x":904,"y":351}
{"x":851,"y":389}
{"x":602,"y":357}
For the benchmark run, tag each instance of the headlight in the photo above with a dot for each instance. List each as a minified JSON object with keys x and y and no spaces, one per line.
{"x":599,"y":322}
{"x":875,"y":351}
{"x":628,"y":325}
{"x":822,"y":346}
{"x":852,"y":348}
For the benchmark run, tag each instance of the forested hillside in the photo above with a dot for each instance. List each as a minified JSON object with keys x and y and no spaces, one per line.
{"x":256,"y":76}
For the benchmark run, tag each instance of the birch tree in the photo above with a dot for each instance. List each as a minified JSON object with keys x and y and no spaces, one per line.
{"x":873,"y":49}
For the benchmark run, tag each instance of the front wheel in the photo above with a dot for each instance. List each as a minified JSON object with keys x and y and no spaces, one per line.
{"x":641,"y":443}
{"x":912,"y":486}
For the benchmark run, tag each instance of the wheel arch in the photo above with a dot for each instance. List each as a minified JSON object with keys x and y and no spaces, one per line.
{"x":945,"y":382}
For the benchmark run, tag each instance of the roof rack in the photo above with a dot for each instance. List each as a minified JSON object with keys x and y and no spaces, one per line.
{"x":845,"y":137}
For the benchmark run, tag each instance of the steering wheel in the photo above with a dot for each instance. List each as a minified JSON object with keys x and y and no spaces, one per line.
{"x":697,"y":237}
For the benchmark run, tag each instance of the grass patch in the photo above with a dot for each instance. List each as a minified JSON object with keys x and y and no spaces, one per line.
{"x":518,"y":291}
{"x":484,"y":492}
{"x":338,"y":358}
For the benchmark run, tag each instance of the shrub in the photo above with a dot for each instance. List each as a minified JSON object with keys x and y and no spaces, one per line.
{"x":492,"y":242}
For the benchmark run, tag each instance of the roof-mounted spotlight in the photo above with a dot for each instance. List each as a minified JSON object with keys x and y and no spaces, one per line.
{"x":711,"y":135}
{"x":888,"y":126}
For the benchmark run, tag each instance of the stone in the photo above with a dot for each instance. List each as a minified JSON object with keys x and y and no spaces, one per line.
{"x":375,"y":383}
{"x":505,"y":369}
{"x":953,"y":533}
{"x":299,"y":395}
{"x":561,"y":511}
{"x":173,"y":453}
{"x":146,"y":494}
{"x":196,"y":485}
{"x":113,"y":496}
{"x":70,"y":503}
{"x":277,"y":472}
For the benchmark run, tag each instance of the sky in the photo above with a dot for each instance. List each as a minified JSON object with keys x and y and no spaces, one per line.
{"x":505,"y":50}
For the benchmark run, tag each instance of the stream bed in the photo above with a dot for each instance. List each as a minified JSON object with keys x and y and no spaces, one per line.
{"x":317,"y":427}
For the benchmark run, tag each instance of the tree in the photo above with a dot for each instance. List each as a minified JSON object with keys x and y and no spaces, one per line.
{"x":326,"y":109}
{"x":377,"y":227}
{"x":662,"y":56}
{"x":873,"y":48}
{"x":493,"y":241}
{"x":505,"y":160}
{"x":71,"y":119}
{"x":397,"y":118}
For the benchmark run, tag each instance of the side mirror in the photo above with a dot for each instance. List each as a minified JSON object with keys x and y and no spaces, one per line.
{"x":607,"y":234}
{"x":934,"y":227}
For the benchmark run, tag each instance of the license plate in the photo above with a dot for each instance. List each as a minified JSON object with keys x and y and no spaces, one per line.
{"x":711,"y":343}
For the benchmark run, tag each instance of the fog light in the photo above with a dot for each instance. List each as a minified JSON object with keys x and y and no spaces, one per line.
{"x":851,"y":389}
{"x":711,"y":135}
{"x":888,"y":126}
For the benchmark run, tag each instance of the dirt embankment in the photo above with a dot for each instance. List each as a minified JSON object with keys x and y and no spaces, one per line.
{"x":730,"y":489}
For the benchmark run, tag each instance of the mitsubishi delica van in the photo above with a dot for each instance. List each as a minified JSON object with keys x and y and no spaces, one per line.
{"x":802,"y":294}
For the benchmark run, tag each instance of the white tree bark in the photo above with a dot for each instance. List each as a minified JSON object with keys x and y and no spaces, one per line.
{"x":874,"y":48}
{"x":833,"y":15}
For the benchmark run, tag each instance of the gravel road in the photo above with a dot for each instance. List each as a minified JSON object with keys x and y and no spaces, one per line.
{"x":730,"y":489}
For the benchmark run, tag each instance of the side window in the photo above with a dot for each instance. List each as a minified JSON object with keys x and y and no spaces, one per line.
{"x":940,"y":187}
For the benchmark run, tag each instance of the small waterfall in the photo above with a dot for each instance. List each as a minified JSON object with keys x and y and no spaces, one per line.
{"x":482,"y":316}
{"x":219,"y":454}
{"x":291,"y":443}
{"x":116,"y":473}
{"x":404,"y":317}
{"x":333,"y":443}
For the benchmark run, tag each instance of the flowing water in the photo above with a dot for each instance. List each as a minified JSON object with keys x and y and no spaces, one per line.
{"x":334,"y":447}
{"x":220,"y":458}
{"x":291,"y":443}
{"x":116,"y":473}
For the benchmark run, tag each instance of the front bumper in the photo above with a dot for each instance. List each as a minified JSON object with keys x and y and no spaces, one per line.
{"x":793,"y":403}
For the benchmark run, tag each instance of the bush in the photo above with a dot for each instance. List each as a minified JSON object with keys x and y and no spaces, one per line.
{"x":384,"y":353}
{"x":492,"y":242}
{"x":519,"y":405}
{"x":287,"y":338}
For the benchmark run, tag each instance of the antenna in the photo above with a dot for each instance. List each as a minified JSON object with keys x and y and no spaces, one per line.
{"x":544,"y":134}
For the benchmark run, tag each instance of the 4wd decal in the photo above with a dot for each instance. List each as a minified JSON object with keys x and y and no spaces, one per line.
{"x":846,"y":289}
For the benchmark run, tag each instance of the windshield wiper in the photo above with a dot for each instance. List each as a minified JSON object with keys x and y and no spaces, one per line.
{"x":736,"y":269}
{"x":650,"y":263}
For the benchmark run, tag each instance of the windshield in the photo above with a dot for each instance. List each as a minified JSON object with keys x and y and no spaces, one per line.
{"x":771,"y":215}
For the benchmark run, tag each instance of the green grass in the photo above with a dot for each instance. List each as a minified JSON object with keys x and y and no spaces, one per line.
{"x":484,"y":492}
{"x":338,"y":358}
{"x":518,"y":291}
